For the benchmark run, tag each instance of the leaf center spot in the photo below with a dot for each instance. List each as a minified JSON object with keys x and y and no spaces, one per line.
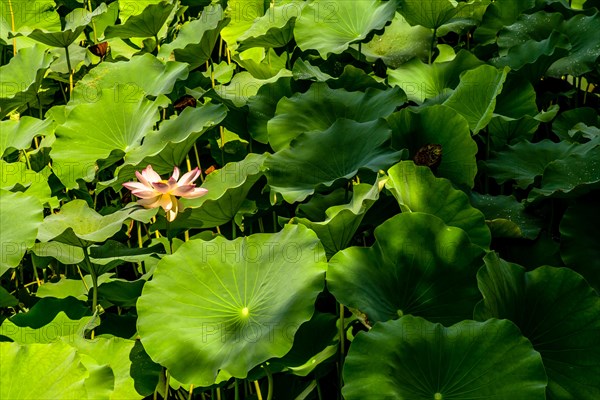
{"x":437,"y":396}
{"x":245,"y":311}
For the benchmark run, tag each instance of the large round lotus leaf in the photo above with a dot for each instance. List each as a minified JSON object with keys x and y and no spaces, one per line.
{"x":23,"y":19}
{"x":242,"y":14}
{"x":418,"y":190}
{"x":55,"y":39}
{"x":533,"y":58}
{"x":321,"y":158}
{"x":19,"y":134}
{"x":429,"y":13}
{"x":340,"y":23}
{"x":319,"y":107}
{"x":498,"y":15}
{"x":438,"y":125}
{"x":262,"y":106}
{"x":124,"y":79}
{"x":475,"y":96}
{"x":113,"y":352}
{"x":340,"y":222}
{"x":413,"y":359}
{"x":583,"y":55}
{"x":525,"y":161}
{"x":56,"y":368}
{"x":146,"y":24}
{"x":196,"y":39}
{"x":506,"y":216}
{"x":422,"y":81}
{"x":21,"y":78}
{"x":230,"y":305}
{"x":579,"y":238}
{"x":418,"y":265}
{"x":399,"y":43}
{"x":21,"y":216}
{"x":558,"y":312}
{"x":572,"y":176}
{"x":79,"y":225}
{"x":274,"y":29}
{"x":93,"y":131}
{"x":227,"y":189}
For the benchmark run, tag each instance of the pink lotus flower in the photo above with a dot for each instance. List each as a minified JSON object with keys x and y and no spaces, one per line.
{"x":153,"y":191}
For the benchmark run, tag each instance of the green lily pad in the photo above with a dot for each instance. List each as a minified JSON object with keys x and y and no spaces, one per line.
{"x":21,"y":78}
{"x":186,"y":128}
{"x":113,"y":352}
{"x":342,"y":220}
{"x":21,"y":217}
{"x":558,"y":312}
{"x":148,"y":23}
{"x":63,"y":253}
{"x":59,"y":364}
{"x":262,"y":106}
{"x":475,"y":96}
{"x":274,"y":29}
{"x":422,"y":81}
{"x":7,"y":299}
{"x":26,"y":18}
{"x":17,"y":135}
{"x":572,"y":176}
{"x":578,"y":239}
{"x":584,"y":51}
{"x":499,"y":14}
{"x":525,"y":161}
{"x":566,"y":124}
{"x":196,"y":39}
{"x":60,"y":327}
{"x":533,"y":58}
{"x":413,"y":359}
{"x":418,"y":265}
{"x":242,"y":14}
{"x":17,"y":177}
{"x":319,"y":107}
{"x":399,"y":43}
{"x":118,"y":126}
{"x":55,"y":39}
{"x":77,"y":224}
{"x":439,"y":124}
{"x":232,"y":309}
{"x":126,"y":82}
{"x":340,"y":23}
{"x":295,"y":172}
{"x":506,"y":217}
{"x":429,"y":13}
{"x":418,"y":190}
{"x":227,"y":188}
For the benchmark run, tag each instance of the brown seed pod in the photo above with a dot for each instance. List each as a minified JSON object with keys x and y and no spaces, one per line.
{"x":429,"y":155}
{"x":99,"y":49}
{"x":183,"y":102}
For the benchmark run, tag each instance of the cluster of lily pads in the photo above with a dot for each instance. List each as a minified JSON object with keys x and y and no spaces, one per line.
{"x":378,"y":199}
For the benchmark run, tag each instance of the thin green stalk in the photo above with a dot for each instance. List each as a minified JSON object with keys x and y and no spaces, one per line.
{"x":270,"y":382}
{"x":70,"y":71}
{"x":432,"y":45}
{"x":319,"y":394}
{"x":94,"y":276}
{"x":166,"y":384}
{"x":342,"y":347}
{"x":236,"y":389}
{"x":169,"y":237}
{"x":233,"y":230}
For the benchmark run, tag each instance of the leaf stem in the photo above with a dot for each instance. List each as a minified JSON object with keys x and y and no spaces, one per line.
{"x":270,"y":382}
{"x":432,"y":45}
{"x":342,"y":347}
{"x":70,"y":71}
